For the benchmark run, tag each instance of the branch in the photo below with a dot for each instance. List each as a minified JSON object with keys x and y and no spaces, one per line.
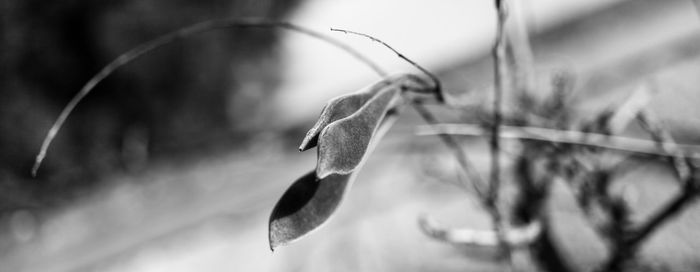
{"x":436,"y":81}
{"x":518,"y":237}
{"x":665,"y":142}
{"x":158,"y":42}
{"x":566,"y":137}
{"x":670,"y":210}
{"x":628,"y":247}
{"x":500,"y":74}
{"x":452,"y":144}
{"x":521,"y":51}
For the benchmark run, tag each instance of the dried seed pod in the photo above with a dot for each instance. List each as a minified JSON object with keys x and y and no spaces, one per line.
{"x":311,"y":201}
{"x":348,"y":129}
{"x":305,"y":206}
{"x":339,"y":108}
{"x":346,"y":105}
{"x":343,"y":144}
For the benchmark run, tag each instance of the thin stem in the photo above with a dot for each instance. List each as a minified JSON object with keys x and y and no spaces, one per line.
{"x":452,"y":144}
{"x":628,"y":247}
{"x":500,"y":66}
{"x":673,"y":208}
{"x":499,"y":57}
{"x":160,"y":41}
{"x":436,"y":81}
{"x":620,"y":143}
{"x":519,"y":45}
{"x":665,"y":142}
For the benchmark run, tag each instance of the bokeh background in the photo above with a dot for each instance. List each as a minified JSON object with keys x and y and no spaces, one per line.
{"x":176,"y":160}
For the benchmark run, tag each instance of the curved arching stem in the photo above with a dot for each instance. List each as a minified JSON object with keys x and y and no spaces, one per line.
{"x":160,"y":41}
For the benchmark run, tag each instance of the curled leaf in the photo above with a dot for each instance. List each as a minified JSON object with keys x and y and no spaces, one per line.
{"x":305,"y":206}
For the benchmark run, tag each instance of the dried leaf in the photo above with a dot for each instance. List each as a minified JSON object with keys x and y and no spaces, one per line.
{"x":305,"y":206}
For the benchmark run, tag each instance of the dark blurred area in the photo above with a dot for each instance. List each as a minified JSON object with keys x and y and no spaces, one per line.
{"x":193,"y":97}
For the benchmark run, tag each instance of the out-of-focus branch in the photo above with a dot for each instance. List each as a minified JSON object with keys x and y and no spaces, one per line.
{"x":665,"y":142}
{"x":628,"y":246}
{"x":465,"y":164}
{"x":500,"y":75}
{"x":620,"y":143}
{"x":515,"y":237}
{"x":519,"y":45}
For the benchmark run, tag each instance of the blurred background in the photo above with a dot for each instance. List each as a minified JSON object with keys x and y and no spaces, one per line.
{"x":175,"y":161}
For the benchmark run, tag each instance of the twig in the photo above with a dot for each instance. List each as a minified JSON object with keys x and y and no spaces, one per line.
{"x":628,"y":247}
{"x":499,"y":57}
{"x":567,"y":137}
{"x":452,"y":144}
{"x":500,"y":74}
{"x":519,"y":45}
{"x":670,"y":210}
{"x":665,"y":142}
{"x":436,"y":81}
{"x":519,"y":237}
{"x":158,"y":42}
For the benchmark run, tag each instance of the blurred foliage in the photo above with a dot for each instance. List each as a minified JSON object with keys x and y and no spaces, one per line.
{"x":192,"y":97}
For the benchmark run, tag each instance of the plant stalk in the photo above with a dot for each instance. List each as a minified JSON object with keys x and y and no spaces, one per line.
{"x":500,"y":75}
